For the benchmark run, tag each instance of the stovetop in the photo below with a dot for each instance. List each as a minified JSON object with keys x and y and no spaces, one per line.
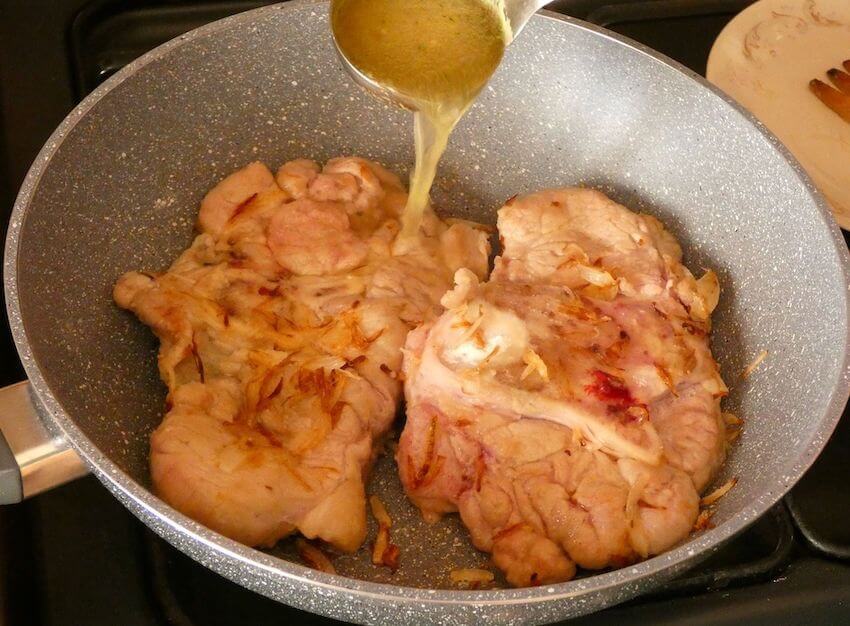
{"x":76,"y":556}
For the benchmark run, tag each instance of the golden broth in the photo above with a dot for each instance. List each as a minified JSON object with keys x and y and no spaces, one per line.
{"x":438,"y":53}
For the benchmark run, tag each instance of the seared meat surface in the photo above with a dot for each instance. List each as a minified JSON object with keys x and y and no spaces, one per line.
{"x":280,"y":329}
{"x":569,"y":407}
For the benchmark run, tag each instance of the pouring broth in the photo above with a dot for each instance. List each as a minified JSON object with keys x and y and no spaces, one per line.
{"x":439,"y":54}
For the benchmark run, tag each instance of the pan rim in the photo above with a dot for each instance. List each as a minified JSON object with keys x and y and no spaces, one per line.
{"x":165,"y":520}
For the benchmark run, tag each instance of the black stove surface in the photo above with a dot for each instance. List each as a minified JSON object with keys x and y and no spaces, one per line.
{"x":76,"y":556}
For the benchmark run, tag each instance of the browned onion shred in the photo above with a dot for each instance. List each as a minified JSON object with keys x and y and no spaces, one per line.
{"x":380,"y":511}
{"x":718,"y":493}
{"x":314,"y":557}
{"x":383,"y":552}
{"x":703,"y":521}
{"x":471,"y":576}
{"x":731,"y":419}
{"x":734,"y":427}
{"x":754,"y":365}
{"x":382,"y":541}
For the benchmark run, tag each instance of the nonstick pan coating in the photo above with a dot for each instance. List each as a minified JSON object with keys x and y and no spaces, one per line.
{"x":118,"y":185}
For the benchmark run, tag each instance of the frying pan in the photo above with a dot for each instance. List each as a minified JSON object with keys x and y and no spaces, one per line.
{"x":117,"y":188}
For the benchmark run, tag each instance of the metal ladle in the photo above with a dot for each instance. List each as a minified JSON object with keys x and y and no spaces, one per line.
{"x":518,"y":13}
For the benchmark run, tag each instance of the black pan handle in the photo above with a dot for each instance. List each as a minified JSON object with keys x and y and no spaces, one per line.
{"x":32,"y":459}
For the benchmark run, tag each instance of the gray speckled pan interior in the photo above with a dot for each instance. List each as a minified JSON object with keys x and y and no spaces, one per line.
{"x":118,"y":185}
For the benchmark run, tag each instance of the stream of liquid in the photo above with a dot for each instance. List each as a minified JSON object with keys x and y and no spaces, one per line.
{"x":439,"y":54}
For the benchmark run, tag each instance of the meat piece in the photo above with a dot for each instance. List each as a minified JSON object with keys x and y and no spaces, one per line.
{"x":227,"y":198}
{"x":315,"y":238}
{"x":363,"y":183}
{"x":280,"y":330}
{"x":693,"y":432}
{"x":569,"y":408}
{"x":575,"y":238}
{"x":295,"y":177}
{"x":530,"y":558}
{"x":579,"y":238}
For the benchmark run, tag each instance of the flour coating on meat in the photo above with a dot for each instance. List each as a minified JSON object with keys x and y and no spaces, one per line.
{"x":569,"y":408}
{"x":280,"y":329}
